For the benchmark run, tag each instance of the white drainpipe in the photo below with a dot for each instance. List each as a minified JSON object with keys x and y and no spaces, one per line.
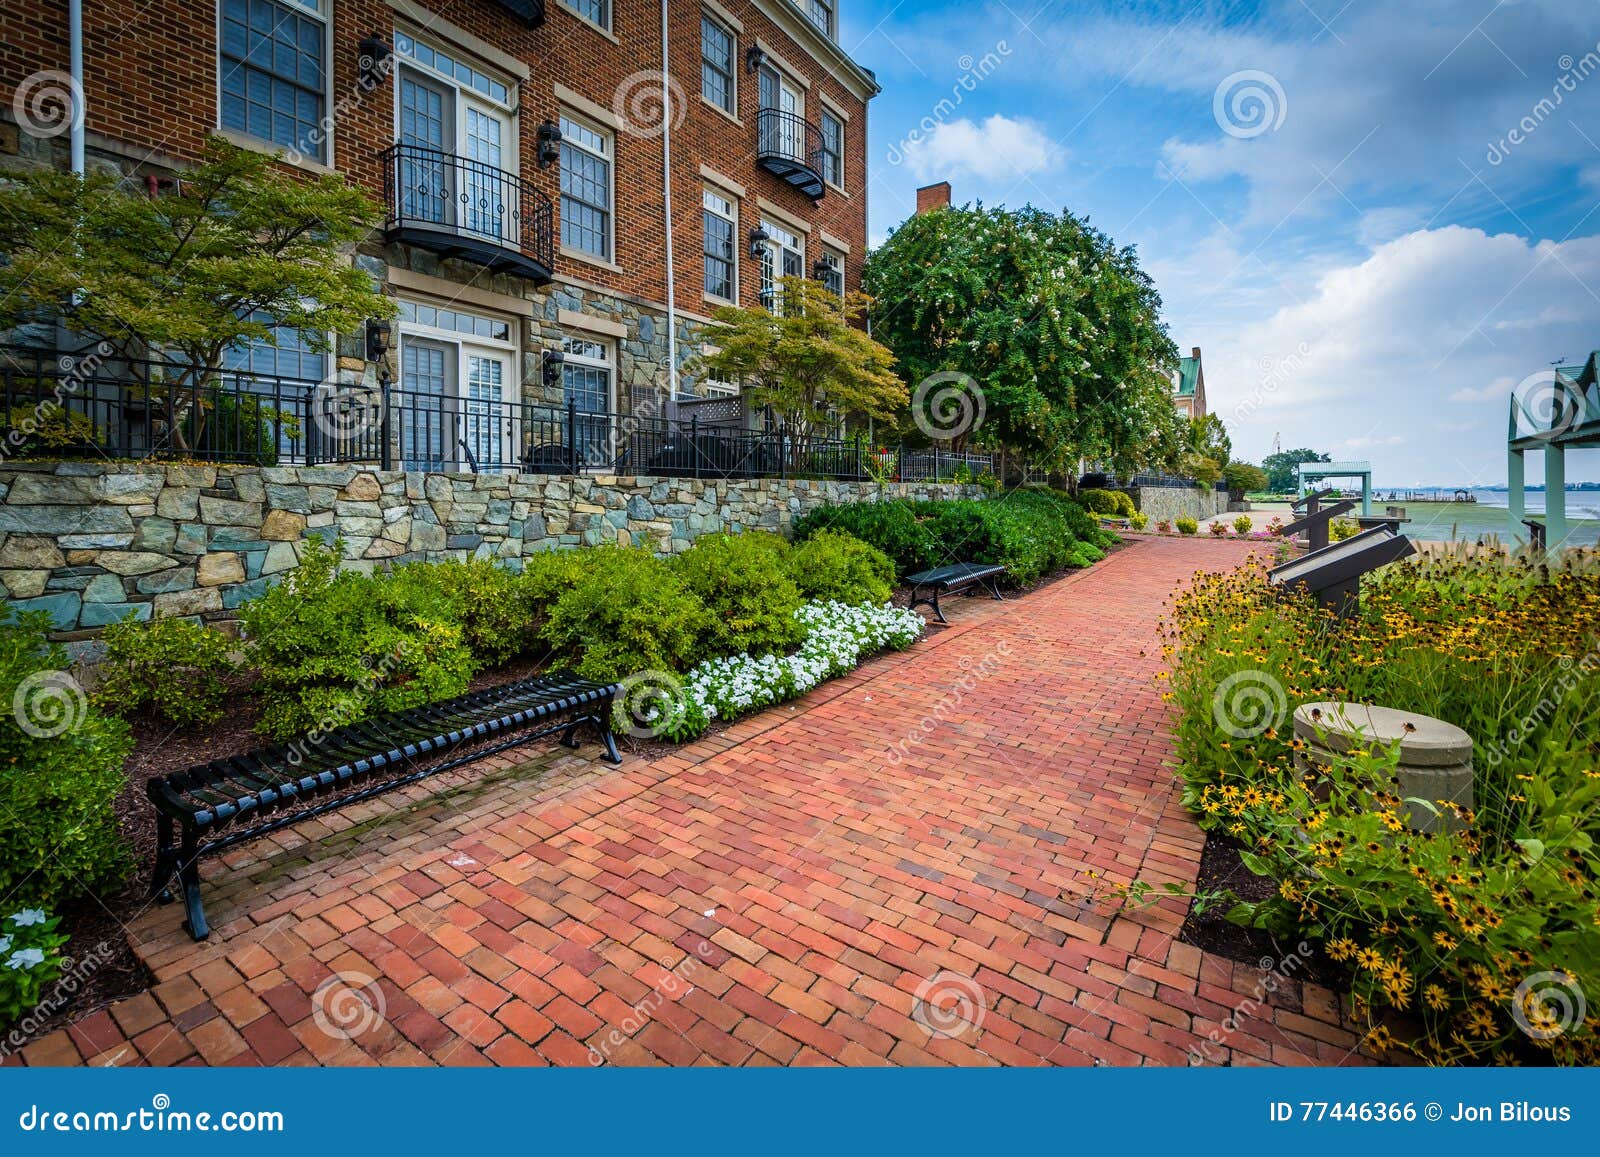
{"x":666,"y":206}
{"x":75,"y":67}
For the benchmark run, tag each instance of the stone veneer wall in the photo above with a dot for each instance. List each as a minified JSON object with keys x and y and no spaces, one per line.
{"x":1172,"y":502}
{"x":92,"y":542}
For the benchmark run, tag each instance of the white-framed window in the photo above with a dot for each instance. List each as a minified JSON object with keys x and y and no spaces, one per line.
{"x":782,"y":255}
{"x":588,"y":386}
{"x":586,"y":187}
{"x":596,"y":12}
{"x":820,"y":13}
{"x":456,"y":131}
{"x":832,"y":149}
{"x":831,"y":266}
{"x":273,"y":72}
{"x":717,"y":73}
{"x":456,"y":406}
{"x":781,"y":126}
{"x":721,"y":218}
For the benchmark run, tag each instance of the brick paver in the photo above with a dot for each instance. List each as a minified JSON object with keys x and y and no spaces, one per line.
{"x":917,"y":845}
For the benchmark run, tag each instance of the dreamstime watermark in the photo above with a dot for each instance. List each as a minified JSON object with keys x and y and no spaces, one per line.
{"x":948,"y":405}
{"x":1272,"y":975}
{"x":973,"y":73}
{"x":75,"y":973}
{"x":371,"y":73}
{"x":75,"y":374}
{"x":1548,"y":1004}
{"x":160,"y":1117}
{"x":343,"y":414}
{"x":347,"y":1005}
{"x":1248,"y":703}
{"x":677,"y":984}
{"x":1249,"y":103}
{"x":47,"y":104}
{"x":972,"y":674}
{"x":948,"y":1004}
{"x":1573,"y":73}
{"x":649,"y":103}
{"x":349,"y":707}
{"x":48,"y":704}
{"x":1275,"y":374}
{"x":1573,"y":672}
{"x":648,"y":704}
{"x":1551,"y":401}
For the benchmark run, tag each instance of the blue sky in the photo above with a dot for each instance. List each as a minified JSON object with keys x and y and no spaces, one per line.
{"x":1376,"y":219}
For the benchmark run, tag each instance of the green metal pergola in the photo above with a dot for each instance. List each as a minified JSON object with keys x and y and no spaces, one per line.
{"x":1312,"y":472}
{"x":1551,"y":416}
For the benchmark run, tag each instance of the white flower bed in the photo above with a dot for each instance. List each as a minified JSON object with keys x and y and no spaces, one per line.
{"x":837,"y":636}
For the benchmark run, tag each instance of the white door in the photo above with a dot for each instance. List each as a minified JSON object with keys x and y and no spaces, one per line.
{"x":488,"y":200}
{"x":487,"y":430}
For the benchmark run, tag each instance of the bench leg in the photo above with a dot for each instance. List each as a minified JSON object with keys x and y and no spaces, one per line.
{"x":994,"y":588}
{"x":189,"y":877}
{"x":166,"y":861}
{"x":917,"y":601}
{"x":607,"y":740}
{"x":602,"y":727}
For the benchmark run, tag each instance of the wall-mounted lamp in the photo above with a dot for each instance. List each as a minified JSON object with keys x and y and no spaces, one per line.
{"x":758,"y":238}
{"x":755,"y":59}
{"x":378,"y":332}
{"x":823,"y":269}
{"x":551,"y":362}
{"x":374,"y":62}
{"x":549,"y":144}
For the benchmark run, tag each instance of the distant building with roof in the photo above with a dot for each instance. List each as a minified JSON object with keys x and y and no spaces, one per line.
{"x":1189,"y":386}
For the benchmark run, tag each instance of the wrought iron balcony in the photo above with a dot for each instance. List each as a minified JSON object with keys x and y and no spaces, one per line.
{"x":790,"y":146}
{"x":467,"y":209}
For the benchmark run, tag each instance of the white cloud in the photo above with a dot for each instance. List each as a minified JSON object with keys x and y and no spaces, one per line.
{"x":1497,"y":390}
{"x":1000,"y":148}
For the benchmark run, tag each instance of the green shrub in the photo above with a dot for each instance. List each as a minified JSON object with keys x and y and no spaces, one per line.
{"x":63,"y":769}
{"x":171,"y":669}
{"x":892,"y":527}
{"x":1242,"y":524}
{"x":1083,"y":525}
{"x":334,"y":648}
{"x":1140,"y":520}
{"x":1342,"y":528}
{"x":30,"y":958}
{"x":1114,"y":503}
{"x":490,"y":603}
{"x":1187,"y":525}
{"x":743,"y":582}
{"x":629,"y":612}
{"x":834,"y":567}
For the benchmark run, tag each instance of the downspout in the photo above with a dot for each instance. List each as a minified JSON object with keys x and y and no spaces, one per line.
{"x":666,"y":207}
{"x":75,"y":67}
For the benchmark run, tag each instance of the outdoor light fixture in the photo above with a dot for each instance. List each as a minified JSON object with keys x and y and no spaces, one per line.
{"x":377,"y":339}
{"x":756,"y":59}
{"x":758,"y":237}
{"x":549,"y":144}
{"x":373,"y":64}
{"x":552,"y":361}
{"x":822,"y":269}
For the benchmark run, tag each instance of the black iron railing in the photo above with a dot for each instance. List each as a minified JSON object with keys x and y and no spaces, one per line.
{"x":458,"y":205}
{"x":791,"y":146}
{"x":938,"y":465}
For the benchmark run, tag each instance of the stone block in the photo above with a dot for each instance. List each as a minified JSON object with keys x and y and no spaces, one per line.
{"x":192,"y":538}
{"x":363,"y":488}
{"x":229,"y":512}
{"x":64,"y":519}
{"x":94,"y":541}
{"x":195,"y":602}
{"x":218,"y":568}
{"x":236,"y":596}
{"x":178,"y":503}
{"x":21,"y":551}
{"x":179,"y":578}
{"x":280,"y":557}
{"x":104,"y":614}
{"x":156,"y":534}
{"x":131,"y":489}
{"x":24,"y":584}
{"x":62,"y":608}
{"x":48,"y":489}
{"x":104,"y":588}
{"x":133,"y":562}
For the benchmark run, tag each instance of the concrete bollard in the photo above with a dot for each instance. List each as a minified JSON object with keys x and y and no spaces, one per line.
{"x":1435,"y":756}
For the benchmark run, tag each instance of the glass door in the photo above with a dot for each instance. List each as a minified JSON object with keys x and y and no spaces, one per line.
{"x":487,"y":426}
{"x":488,"y":202}
{"x":428,"y":406}
{"x":586,"y":386}
{"x":427,"y":132}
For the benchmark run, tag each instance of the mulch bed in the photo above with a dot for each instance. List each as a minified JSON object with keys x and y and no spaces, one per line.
{"x":96,"y":925}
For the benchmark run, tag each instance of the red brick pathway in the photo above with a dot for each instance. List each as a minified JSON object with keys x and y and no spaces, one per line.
{"x":825,"y":883}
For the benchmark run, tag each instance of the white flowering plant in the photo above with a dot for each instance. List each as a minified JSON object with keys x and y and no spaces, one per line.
{"x":838,"y":636}
{"x":30,"y":958}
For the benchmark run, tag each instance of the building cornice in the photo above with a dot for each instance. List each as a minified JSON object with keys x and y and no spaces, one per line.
{"x":788,"y":17}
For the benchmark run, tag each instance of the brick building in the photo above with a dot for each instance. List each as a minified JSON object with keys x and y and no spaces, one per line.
{"x":519,"y":147}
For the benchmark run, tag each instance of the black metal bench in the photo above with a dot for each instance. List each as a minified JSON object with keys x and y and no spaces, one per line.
{"x":947,"y":580}
{"x":220,"y":804}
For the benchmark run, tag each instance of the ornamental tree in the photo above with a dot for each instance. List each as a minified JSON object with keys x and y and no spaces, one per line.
{"x":1059,"y":327}
{"x":809,"y":360}
{"x":228,"y":252}
{"x":1280,"y":468}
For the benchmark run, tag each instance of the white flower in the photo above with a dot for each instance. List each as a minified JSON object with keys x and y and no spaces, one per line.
{"x":25,"y":958}
{"x":28,"y":916}
{"x":5,"y":944}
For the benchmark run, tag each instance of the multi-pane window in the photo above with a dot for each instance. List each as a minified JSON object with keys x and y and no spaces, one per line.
{"x":274,"y":72}
{"x":596,"y":11}
{"x":783,"y":255}
{"x":820,"y":13}
{"x":832,"y":269}
{"x":586,"y":387}
{"x":291,"y":356}
{"x":832,"y":149}
{"x":721,"y":217}
{"x":585,"y":189}
{"x":716,"y":63}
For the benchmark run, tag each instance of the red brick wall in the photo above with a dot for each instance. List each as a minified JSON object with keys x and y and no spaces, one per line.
{"x":151,"y":84}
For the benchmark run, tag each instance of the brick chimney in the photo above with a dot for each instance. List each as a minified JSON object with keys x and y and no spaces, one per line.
{"x":1196,"y":354}
{"x":931,"y":197}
